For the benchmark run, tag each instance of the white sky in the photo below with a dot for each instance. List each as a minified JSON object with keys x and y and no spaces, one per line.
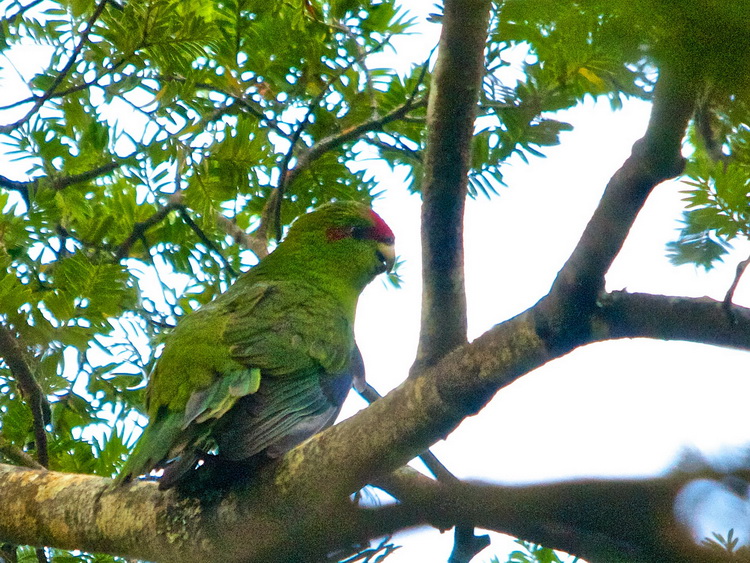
{"x":620,"y":408}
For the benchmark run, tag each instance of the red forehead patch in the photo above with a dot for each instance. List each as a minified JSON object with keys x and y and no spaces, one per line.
{"x":380,"y":229}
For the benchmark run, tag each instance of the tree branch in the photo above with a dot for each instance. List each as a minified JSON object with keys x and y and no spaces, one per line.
{"x":206,"y":241}
{"x":451,"y":111}
{"x":740,"y":270}
{"x":59,"y":183}
{"x":306,"y":158}
{"x":285,"y":178}
{"x":655,"y":158}
{"x":598,"y":519}
{"x":30,"y":390}
{"x":86,"y":512}
{"x":17,"y":455}
{"x":139,"y":229}
{"x":9,"y":20}
{"x":466,"y":544}
{"x":305,"y":495}
{"x":245,"y":240}
{"x":602,"y":520}
{"x":631,"y":315}
{"x":239,"y":99}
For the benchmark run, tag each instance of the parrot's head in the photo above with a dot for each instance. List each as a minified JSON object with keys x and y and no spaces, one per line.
{"x":345,"y":238}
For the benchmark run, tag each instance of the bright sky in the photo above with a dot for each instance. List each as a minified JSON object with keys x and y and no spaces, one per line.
{"x":620,"y":408}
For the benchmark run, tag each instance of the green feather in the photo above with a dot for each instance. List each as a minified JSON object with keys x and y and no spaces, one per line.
{"x":215,"y":401}
{"x":153,"y":446}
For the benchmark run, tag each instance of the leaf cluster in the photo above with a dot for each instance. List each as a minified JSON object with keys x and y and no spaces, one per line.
{"x":717,"y":180}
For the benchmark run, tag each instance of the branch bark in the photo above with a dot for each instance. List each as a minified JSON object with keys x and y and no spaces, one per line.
{"x":30,"y":390}
{"x":631,"y":315}
{"x":655,"y":158}
{"x":601,"y":520}
{"x":451,"y":110}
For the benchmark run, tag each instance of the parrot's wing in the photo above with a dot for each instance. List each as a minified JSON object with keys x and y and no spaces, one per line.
{"x":217,"y":399}
{"x":284,"y":412}
{"x":261,"y":368}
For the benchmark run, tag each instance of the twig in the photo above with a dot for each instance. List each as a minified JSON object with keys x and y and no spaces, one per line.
{"x":272,"y":209}
{"x":250,"y":241}
{"x":327,"y":143}
{"x":65,"y":181}
{"x":20,"y":187}
{"x":332,"y":141}
{"x":239,"y":99}
{"x":63,"y":73}
{"x":76,"y":88}
{"x":17,"y":456}
{"x":205,"y":240}
{"x":30,"y":390}
{"x":400,"y":148}
{"x":139,"y":229}
{"x":25,"y":188}
{"x":741,"y":267}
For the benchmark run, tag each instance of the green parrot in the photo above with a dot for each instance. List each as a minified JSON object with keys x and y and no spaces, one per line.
{"x":268,"y":363}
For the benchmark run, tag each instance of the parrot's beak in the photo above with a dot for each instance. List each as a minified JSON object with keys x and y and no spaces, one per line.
{"x":387,"y":255}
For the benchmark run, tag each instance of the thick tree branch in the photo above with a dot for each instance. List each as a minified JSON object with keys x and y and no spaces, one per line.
{"x":702,"y":320}
{"x":86,"y":512}
{"x":600,"y":520}
{"x":307,"y":491}
{"x":451,"y":111}
{"x":433,"y":464}
{"x":655,"y":158}
{"x":30,"y":390}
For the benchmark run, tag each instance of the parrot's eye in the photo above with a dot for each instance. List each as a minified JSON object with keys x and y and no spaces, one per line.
{"x":360,"y":233}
